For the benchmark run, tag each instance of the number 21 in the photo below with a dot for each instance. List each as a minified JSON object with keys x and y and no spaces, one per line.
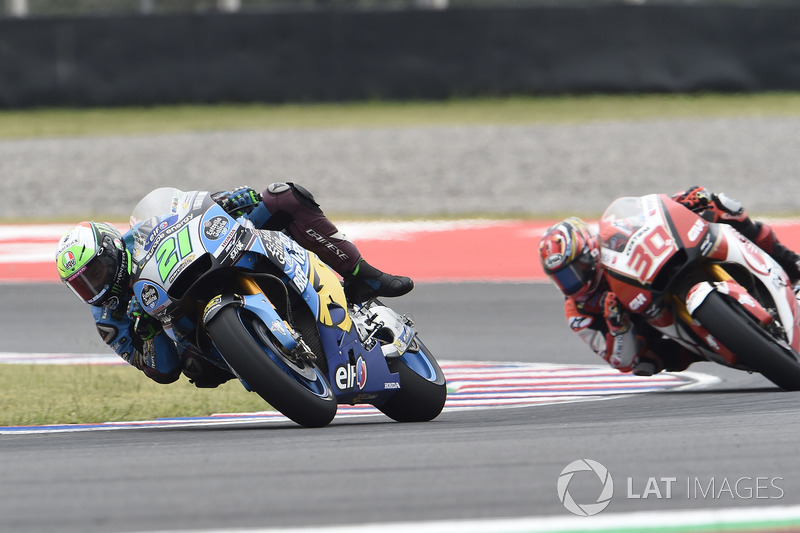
{"x":168,"y":256}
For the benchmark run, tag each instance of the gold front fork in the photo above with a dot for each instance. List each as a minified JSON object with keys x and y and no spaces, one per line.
{"x":716,"y":273}
{"x":249,"y":286}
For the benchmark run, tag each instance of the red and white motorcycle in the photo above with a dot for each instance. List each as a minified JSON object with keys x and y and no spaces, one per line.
{"x":703,"y":285}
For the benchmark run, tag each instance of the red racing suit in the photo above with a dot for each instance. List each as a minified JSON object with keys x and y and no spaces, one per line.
{"x":624,"y":340}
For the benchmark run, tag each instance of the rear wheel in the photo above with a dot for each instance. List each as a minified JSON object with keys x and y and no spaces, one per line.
{"x":292,"y":385}
{"x":423,"y":388}
{"x":753,"y":346}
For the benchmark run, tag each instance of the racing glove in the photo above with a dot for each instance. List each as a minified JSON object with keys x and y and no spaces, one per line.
{"x":239,"y":201}
{"x":712,"y":206}
{"x":144,"y":326}
{"x":695,"y":198}
{"x":617,"y":319}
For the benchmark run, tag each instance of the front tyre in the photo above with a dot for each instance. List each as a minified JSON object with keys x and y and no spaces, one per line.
{"x":753,"y":346}
{"x":295,"y":387}
{"x":423,"y":388}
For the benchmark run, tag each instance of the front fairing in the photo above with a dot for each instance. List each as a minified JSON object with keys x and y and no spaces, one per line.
{"x":645,"y":243}
{"x":174,"y":251}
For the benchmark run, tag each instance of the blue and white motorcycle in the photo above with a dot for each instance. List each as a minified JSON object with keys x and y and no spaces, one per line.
{"x":257,"y":303}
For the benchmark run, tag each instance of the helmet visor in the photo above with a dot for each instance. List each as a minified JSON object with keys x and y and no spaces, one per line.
{"x":93,"y":281}
{"x":573,"y":277}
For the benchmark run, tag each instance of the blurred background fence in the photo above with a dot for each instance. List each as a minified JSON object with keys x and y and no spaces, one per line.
{"x":101,"y":7}
{"x":147,"y":52}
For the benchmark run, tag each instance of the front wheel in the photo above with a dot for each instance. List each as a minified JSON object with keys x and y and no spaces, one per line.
{"x":423,"y":388}
{"x":753,"y":346}
{"x":293,"y":386}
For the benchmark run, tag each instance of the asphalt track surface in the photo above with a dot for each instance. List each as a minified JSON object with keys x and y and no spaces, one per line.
{"x":464,"y":465}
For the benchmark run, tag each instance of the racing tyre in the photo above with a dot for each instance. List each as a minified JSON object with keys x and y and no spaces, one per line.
{"x":754,"y":347}
{"x":295,"y":387}
{"x":423,"y":388}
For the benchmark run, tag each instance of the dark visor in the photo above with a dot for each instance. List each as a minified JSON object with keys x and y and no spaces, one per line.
{"x":91,"y":282}
{"x":570,"y":278}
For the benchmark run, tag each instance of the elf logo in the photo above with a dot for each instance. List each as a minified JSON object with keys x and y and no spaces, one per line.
{"x":349,"y":376}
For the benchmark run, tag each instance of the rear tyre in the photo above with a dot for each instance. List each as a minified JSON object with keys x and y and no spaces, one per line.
{"x":296,"y":388}
{"x":423,"y":388}
{"x":753,"y":346}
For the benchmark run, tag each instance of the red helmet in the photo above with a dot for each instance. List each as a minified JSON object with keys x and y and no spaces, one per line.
{"x":569,"y":252}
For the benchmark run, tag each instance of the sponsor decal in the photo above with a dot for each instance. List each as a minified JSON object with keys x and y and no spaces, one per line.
{"x":78,"y":273}
{"x":149,"y":295}
{"x":215,"y":228}
{"x":753,"y":257}
{"x":637,"y":302}
{"x":711,"y":341}
{"x":273,"y":247}
{"x":651,"y":204}
{"x":298,"y":252}
{"x":746,"y":299}
{"x":236,"y":249}
{"x":214,"y":302}
{"x":68,"y":261}
{"x":350,"y":376}
{"x":696,"y":230}
{"x":299,"y":278}
{"x":226,"y":243}
{"x":277,"y":327}
{"x":654,"y":309}
{"x":321,"y":239}
{"x":553,"y":261}
{"x":580,"y":322}
{"x":278,"y":187}
{"x":180,"y":268}
{"x":107,"y":332}
{"x":706,"y":246}
{"x":158,"y":235}
{"x":198,"y":201}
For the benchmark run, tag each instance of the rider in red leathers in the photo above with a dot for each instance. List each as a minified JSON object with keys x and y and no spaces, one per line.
{"x":570,"y":253}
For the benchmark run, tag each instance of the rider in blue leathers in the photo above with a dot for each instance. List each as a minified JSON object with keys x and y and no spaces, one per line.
{"x":93,"y":260}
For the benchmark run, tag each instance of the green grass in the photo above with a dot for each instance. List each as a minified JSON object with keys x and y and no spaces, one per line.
{"x":16,"y":124}
{"x":56,"y":394}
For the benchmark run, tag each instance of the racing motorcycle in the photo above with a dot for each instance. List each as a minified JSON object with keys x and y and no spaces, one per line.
{"x":702,"y":284}
{"x":258,"y":304}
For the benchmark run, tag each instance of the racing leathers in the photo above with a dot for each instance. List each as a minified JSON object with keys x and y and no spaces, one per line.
{"x":140,"y":340}
{"x":625,"y":340}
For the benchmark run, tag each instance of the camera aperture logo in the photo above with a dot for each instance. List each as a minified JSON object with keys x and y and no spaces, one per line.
{"x":585,"y":509}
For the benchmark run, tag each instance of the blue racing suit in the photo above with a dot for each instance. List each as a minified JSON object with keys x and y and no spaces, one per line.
{"x":159,"y":357}
{"x":149,"y":348}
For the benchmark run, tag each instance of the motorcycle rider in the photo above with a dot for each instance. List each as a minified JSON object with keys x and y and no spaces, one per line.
{"x":94,"y":263}
{"x":570,"y":253}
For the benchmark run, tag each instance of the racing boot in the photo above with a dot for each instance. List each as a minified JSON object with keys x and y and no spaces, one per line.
{"x":786,"y":258}
{"x":366,"y":281}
